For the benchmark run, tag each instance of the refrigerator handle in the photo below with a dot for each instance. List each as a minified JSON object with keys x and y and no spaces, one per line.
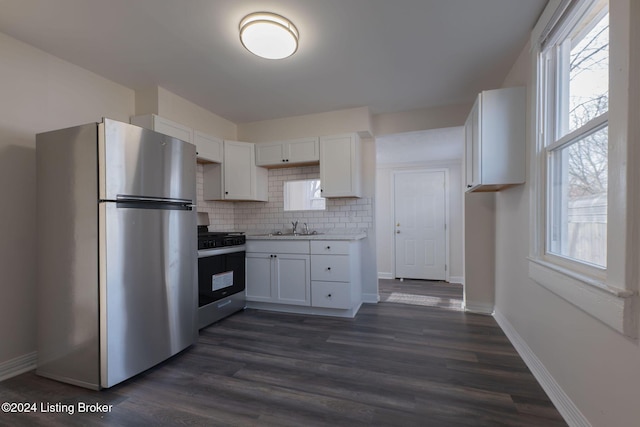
{"x":138,"y":199}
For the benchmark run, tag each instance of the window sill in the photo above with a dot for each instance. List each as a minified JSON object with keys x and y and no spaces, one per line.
{"x":613,"y":306}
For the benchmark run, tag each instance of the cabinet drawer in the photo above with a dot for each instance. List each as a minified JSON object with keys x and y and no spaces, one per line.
{"x":330,"y":294}
{"x":329,"y":247}
{"x":330,"y":268}
{"x":278,"y":246}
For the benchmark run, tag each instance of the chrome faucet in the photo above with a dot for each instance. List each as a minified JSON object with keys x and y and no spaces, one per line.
{"x":295,"y":226}
{"x":306,"y":228}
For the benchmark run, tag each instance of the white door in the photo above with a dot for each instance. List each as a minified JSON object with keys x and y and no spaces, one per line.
{"x":420,"y":239}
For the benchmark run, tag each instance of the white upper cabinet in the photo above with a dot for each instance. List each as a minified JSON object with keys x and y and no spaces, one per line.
{"x":208,"y":148}
{"x":237,"y":177}
{"x":495,"y":140}
{"x":340,"y":165}
{"x":165,"y":126}
{"x":288,"y":153}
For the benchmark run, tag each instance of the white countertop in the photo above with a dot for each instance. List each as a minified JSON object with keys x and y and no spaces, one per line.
{"x":329,"y":236}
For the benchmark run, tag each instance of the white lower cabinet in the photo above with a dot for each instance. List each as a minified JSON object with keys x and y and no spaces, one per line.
{"x":302,"y":276}
{"x":335,"y":274}
{"x":278,"y":273}
{"x":331,"y":294}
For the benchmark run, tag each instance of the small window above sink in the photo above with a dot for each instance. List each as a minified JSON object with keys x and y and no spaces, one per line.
{"x":303,"y":195}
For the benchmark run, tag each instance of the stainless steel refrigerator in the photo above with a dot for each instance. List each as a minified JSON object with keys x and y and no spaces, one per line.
{"x":116,"y":251}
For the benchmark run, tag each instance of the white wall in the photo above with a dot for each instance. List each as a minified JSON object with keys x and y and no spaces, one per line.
{"x":431,"y":149}
{"x":180,"y":110}
{"x":39,"y":93}
{"x":329,"y":123}
{"x":594,"y":365}
{"x":479,"y":251}
{"x":418,"y":120}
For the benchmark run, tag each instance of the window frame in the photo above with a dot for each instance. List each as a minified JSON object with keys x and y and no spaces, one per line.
{"x":610,"y":293}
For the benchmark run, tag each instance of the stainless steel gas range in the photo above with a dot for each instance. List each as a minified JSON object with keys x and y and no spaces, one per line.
{"x":221,"y":274}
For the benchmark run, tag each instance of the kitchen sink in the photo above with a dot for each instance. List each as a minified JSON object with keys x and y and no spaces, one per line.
{"x":289,"y":234}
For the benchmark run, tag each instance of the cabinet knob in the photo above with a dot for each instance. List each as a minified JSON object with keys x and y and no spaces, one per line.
{"x":328,"y":247}
{"x":398,"y":232}
{"x":283,"y":160}
{"x":469,"y":186}
{"x":329,"y":268}
{"x":226,"y":192}
{"x":328,"y":295}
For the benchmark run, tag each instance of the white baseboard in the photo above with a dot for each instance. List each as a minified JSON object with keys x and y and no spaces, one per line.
{"x":478,"y":308}
{"x":382,"y":275}
{"x":456,"y":279}
{"x":18,"y":365}
{"x":370,"y":298}
{"x":560,"y":399}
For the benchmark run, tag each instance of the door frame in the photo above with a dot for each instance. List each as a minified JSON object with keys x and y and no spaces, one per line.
{"x":392,"y":186}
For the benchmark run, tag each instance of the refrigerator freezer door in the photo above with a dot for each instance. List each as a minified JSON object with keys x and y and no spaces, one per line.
{"x":139,"y":162}
{"x":148,"y":287}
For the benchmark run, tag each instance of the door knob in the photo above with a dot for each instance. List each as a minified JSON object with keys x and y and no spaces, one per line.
{"x":398,"y":225}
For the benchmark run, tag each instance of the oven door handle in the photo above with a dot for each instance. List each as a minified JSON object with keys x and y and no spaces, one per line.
{"x":203,"y":253}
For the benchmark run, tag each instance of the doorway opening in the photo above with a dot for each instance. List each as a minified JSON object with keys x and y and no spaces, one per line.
{"x":448,"y":296}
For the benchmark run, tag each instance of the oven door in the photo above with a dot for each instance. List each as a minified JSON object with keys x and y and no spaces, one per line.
{"x":221,"y":273}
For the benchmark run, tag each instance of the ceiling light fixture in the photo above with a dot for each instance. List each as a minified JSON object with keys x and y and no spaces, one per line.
{"x":269,"y":35}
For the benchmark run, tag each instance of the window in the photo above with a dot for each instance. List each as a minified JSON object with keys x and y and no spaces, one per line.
{"x":575,"y":79}
{"x":584,"y":217}
{"x":303,"y":195}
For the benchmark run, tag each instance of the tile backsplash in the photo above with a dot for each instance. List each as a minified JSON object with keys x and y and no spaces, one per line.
{"x":341,"y":215}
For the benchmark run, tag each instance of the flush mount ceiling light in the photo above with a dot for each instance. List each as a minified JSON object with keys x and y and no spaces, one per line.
{"x":268,"y":35}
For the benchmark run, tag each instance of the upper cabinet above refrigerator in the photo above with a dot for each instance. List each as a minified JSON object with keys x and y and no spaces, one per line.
{"x":495,"y":140}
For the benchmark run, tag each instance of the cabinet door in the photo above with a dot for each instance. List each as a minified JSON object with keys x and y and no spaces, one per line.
{"x":293,"y":279}
{"x":473,"y":146}
{"x":340,"y":166}
{"x":239,"y":170}
{"x":302,"y":151}
{"x":173,"y":129}
{"x":209,"y":148}
{"x":270,"y":154}
{"x":164,"y":126}
{"x":259,"y":277}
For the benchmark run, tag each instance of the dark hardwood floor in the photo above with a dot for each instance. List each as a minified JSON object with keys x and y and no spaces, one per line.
{"x":422,"y":362}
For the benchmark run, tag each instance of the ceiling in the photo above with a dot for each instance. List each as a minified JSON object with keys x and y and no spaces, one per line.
{"x":388,"y":55}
